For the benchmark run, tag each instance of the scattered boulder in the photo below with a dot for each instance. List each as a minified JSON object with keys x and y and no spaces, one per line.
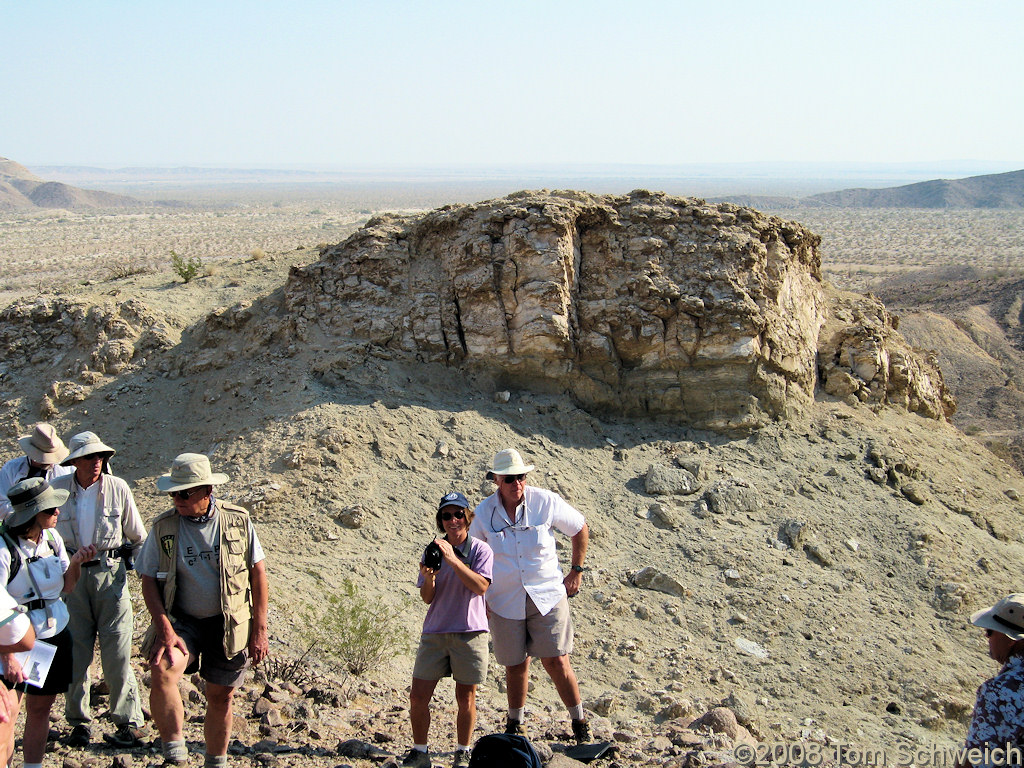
{"x":653,"y":579}
{"x":669,"y":481}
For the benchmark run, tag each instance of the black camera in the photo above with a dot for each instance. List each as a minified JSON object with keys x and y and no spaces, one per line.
{"x":432,"y":557}
{"x":127,"y":554}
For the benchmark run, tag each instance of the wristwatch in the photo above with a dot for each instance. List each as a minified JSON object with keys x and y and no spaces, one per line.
{"x":579,"y":568}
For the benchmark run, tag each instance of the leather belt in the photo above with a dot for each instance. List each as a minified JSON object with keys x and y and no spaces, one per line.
{"x":91,"y":563}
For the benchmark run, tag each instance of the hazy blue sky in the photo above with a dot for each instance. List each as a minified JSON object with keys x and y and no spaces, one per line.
{"x":492,"y":82}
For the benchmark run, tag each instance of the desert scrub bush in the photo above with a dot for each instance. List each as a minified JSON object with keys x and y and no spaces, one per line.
{"x":348,"y":632}
{"x":127,"y":266}
{"x":187,"y":269}
{"x":257,"y":254}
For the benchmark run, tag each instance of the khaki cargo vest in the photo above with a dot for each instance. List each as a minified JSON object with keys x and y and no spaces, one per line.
{"x":235,"y":592}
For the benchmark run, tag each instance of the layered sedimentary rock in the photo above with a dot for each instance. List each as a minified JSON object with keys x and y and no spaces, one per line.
{"x":640,"y":303}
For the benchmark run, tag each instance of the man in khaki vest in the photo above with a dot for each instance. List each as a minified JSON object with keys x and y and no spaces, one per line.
{"x":100,"y":510}
{"x":204,"y":583}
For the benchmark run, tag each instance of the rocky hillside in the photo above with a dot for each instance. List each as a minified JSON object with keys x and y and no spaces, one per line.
{"x":813,"y":574}
{"x":21,"y":189}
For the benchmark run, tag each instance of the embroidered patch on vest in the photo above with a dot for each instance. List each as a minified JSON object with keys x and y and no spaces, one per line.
{"x":167,"y":545}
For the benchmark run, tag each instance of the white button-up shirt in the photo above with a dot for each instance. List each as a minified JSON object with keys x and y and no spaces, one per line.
{"x":525,"y":561}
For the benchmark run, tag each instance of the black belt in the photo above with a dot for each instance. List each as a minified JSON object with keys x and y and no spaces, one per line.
{"x":91,"y":563}
{"x":35,"y":605}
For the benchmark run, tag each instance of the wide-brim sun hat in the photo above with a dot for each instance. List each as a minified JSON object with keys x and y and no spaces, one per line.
{"x":1006,"y":616}
{"x":43,"y":445}
{"x":86,"y":444}
{"x":187,"y":471}
{"x":31,"y":496}
{"x":509,"y":462}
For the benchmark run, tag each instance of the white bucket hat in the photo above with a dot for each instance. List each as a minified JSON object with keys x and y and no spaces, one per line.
{"x":31,"y":496}
{"x":509,"y":462}
{"x":43,"y":446}
{"x":86,"y":444}
{"x":187,"y":471}
{"x":1006,"y":616}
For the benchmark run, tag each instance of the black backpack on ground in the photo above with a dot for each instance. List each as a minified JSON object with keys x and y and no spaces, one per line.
{"x":504,"y":750}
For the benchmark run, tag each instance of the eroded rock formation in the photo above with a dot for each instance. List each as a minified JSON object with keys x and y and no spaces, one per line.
{"x":641,"y":303}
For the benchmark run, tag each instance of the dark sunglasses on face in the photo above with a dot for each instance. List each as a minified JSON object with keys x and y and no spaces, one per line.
{"x":53,"y":511}
{"x":186,"y":494}
{"x":989,"y":632}
{"x":509,"y":479}
{"x":446,"y":516}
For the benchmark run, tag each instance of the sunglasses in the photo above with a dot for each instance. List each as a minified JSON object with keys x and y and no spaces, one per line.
{"x":989,"y":632}
{"x":186,"y":494}
{"x":53,"y":511}
{"x":509,"y":479}
{"x":446,"y":516}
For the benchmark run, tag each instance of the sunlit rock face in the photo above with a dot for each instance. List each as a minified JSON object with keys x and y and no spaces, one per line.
{"x":635,"y":304}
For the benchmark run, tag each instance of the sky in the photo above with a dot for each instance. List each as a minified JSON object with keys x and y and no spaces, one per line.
{"x":489,"y":82}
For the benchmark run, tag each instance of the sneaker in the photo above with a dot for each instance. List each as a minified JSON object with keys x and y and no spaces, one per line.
{"x":80,"y":736}
{"x":581,"y":731}
{"x":417,"y":759}
{"x":514,"y":727}
{"x":126,"y":736}
{"x":461,"y":759}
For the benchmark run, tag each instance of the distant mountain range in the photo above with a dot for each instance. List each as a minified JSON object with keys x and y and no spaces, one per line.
{"x":22,"y":189}
{"x":997,"y":190}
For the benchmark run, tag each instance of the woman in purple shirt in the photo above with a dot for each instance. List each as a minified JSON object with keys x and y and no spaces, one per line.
{"x":454,"y":639}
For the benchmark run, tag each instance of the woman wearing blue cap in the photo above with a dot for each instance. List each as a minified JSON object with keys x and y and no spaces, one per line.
{"x":454,"y":639}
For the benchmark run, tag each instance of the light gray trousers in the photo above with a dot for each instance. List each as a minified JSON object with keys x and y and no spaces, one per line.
{"x":100,"y":606}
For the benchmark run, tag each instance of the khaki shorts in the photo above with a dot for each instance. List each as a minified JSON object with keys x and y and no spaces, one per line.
{"x":462,"y":655}
{"x":542,"y":637}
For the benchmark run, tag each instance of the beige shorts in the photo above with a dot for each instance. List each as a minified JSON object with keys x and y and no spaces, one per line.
{"x":462,"y":655}
{"x":542,"y":637}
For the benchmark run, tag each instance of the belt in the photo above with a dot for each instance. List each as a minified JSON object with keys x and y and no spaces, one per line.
{"x":92,"y":563}
{"x":35,"y":605}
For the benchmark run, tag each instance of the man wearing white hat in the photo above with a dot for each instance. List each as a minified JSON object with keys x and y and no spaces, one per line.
{"x":204,"y":583}
{"x":101,"y":510}
{"x":44,"y":450}
{"x":529,"y":613}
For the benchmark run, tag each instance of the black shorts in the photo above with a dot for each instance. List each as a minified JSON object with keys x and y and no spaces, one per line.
{"x":205,"y":641}
{"x":59,"y":678}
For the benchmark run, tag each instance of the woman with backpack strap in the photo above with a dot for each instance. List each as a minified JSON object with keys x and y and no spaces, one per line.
{"x":45,"y":573}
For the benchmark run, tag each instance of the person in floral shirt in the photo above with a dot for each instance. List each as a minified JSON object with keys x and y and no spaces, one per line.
{"x":998,"y":718}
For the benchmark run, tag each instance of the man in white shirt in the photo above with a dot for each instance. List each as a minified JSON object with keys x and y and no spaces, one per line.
{"x":101,"y":510}
{"x":16,"y":634}
{"x":44,"y":450}
{"x":529,"y":612}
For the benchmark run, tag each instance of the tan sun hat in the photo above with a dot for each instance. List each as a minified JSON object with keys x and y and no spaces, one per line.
{"x":86,"y":444}
{"x":509,"y":462}
{"x":187,"y":471}
{"x":43,"y":446}
{"x":1006,"y":616}
{"x":31,"y":496}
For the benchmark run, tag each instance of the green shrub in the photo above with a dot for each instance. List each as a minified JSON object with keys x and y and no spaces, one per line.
{"x":347,"y":632}
{"x":187,"y":269}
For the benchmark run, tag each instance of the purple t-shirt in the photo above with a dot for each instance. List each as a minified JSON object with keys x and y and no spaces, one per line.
{"x":454,"y":607}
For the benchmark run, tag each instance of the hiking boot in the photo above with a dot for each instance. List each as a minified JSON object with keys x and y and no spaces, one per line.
{"x":417,"y":759}
{"x":80,"y":736}
{"x":126,"y":736}
{"x":461,"y":759}
{"x":514,"y":727}
{"x":581,"y":731}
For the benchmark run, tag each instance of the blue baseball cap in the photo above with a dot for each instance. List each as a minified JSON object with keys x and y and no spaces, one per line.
{"x":453,"y":499}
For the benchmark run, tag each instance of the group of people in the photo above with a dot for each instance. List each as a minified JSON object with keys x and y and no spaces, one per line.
{"x":498,"y":573}
{"x":71,"y":532}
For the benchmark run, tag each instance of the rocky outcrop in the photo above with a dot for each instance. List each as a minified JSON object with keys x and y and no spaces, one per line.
{"x":861,"y":355}
{"x":635,"y":304}
{"x":74,"y":345}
